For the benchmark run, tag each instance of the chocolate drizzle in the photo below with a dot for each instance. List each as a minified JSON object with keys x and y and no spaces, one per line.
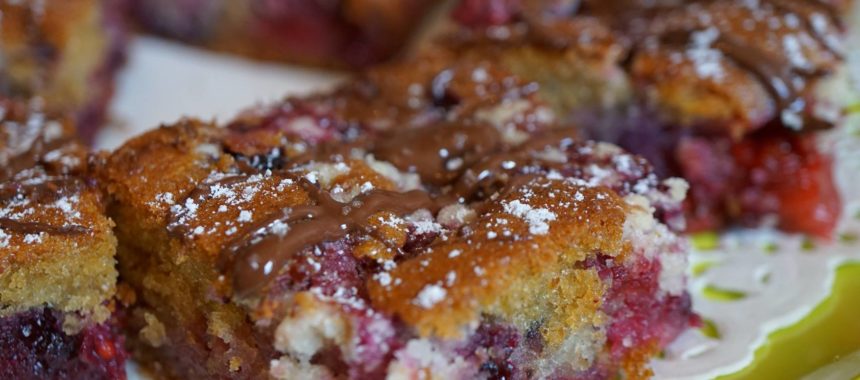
{"x":255,"y":261}
{"x":489,"y":167}
{"x":641,"y":21}
{"x":43,"y":191}
{"x":16,"y":226}
{"x":784,"y":82}
{"x":438,"y":154}
{"x":808,"y":10}
{"x":507,"y":170}
{"x":26,"y":176}
{"x":31,"y":154}
{"x":465,"y":161}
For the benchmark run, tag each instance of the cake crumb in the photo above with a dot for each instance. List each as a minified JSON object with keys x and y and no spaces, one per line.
{"x":153,"y":333}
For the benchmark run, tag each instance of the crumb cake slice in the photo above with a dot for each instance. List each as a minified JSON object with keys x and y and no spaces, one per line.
{"x":57,"y":269}
{"x":453,"y":233}
{"x":728,"y":94}
{"x":340,"y":33}
{"x":65,"y":52}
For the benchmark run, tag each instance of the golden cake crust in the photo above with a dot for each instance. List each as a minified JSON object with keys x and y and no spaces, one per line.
{"x":506,"y":251}
{"x":161,"y":161}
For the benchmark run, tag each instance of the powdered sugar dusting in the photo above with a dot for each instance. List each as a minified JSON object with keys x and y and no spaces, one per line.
{"x":796,"y":57}
{"x":537,"y":218}
{"x":430,"y":296}
{"x":4,"y":238}
{"x":707,"y":60}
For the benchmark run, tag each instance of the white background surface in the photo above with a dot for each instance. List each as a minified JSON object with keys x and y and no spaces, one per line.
{"x":164,"y":81}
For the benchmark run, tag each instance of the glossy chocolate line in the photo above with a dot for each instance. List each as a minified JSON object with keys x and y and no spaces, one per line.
{"x":438,"y":154}
{"x":28,"y":131}
{"x":256,"y":262}
{"x":477,"y":152}
{"x":502,"y":172}
{"x":48,"y":190}
{"x":30,"y":158}
{"x":10,"y":225}
{"x":778,"y":76}
{"x":805,"y":15}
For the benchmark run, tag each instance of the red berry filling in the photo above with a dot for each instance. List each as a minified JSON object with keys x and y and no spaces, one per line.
{"x":493,"y":345}
{"x":775,"y":172}
{"x":786,"y":175}
{"x":478,"y":13}
{"x":35,"y":347}
{"x":640,"y":315}
{"x":313,"y":28}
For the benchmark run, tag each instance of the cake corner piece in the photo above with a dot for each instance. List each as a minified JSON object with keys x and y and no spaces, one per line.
{"x":57,"y":254}
{"x":320,"y":239}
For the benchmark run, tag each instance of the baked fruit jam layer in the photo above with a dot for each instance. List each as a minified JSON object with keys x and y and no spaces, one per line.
{"x":342,"y":33}
{"x":57,"y":269}
{"x":35,"y":346}
{"x":65,"y":52}
{"x":727,"y":94}
{"x":431,"y":218}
